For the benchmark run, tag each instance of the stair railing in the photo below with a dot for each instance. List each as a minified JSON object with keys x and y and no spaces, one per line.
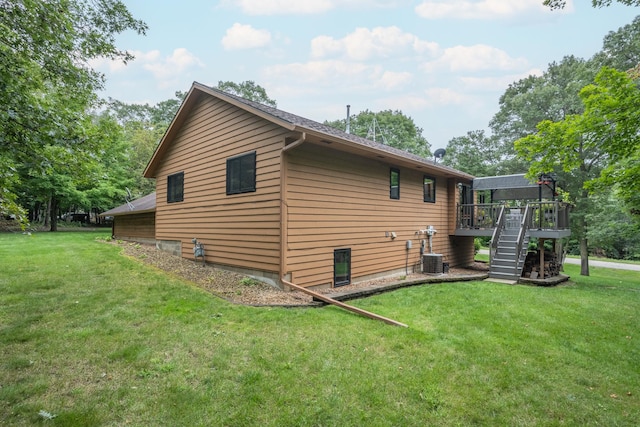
{"x":524,"y":228}
{"x":493,"y":246}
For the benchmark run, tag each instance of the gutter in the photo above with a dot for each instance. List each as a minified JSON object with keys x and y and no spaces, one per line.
{"x":284,"y":206}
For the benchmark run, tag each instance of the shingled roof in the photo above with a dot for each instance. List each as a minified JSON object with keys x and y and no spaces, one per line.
{"x":294,"y":123}
{"x":143,"y":204}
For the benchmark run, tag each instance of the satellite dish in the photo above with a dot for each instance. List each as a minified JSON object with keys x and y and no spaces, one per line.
{"x":439,"y":154}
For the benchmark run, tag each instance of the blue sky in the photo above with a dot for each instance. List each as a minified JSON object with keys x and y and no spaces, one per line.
{"x":443,"y":63}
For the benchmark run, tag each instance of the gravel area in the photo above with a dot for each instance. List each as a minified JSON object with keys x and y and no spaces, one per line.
{"x":239,"y":288}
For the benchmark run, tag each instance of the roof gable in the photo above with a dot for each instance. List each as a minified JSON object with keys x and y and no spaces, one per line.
{"x":289,"y":121}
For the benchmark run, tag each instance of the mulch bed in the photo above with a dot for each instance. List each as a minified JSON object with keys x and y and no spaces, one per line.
{"x":240,"y":289}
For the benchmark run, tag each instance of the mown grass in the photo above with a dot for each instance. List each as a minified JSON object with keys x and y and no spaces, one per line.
{"x":95,"y":338}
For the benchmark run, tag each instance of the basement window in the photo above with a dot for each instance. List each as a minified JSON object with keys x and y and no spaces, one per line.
{"x":175,"y":187}
{"x":241,"y":174}
{"x":394,"y":183}
{"x":429,"y":186}
{"x":341,"y":267}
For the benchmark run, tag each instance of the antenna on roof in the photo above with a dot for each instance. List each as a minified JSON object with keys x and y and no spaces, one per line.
{"x":439,"y":155}
{"x":348,"y":128}
{"x":371,"y":134}
{"x":128,"y":198}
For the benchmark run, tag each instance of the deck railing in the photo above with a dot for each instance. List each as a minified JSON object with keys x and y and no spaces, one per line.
{"x":499,"y":226}
{"x":544,"y":216}
{"x":478,"y":216}
{"x":549,"y":215}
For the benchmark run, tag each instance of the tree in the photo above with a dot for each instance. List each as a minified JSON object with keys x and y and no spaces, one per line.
{"x":621,"y":48}
{"x":560,"y":4}
{"x":46,"y":84}
{"x":389,"y":127}
{"x":615,"y":234}
{"x":143,"y":126}
{"x":529,"y":101}
{"x":475,"y":154}
{"x":612,"y":113}
{"x":591,"y":147}
{"x":248,"y":90}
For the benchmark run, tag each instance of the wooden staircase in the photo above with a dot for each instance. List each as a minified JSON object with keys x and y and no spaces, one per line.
{"x":509,"y":246}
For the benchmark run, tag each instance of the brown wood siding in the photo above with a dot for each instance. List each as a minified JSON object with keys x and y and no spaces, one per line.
{"x":338,"y":200}
{"x":142,"y":225}
{"x":242,"y":230}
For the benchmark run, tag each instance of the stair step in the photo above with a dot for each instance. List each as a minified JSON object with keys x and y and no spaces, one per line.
{"x":506,"y":276}
{"x":505,"y":255}
{"x":503,"y":264}
{"x":502,"y":270}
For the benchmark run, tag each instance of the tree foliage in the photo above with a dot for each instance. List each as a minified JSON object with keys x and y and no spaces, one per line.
{"x":389,"y":127}
{"x":46,"y":83}
{"x":475,"y":153}
{"x":598,"y":147}
{"x":621,"y":48}
{"x":552,"y":96}
{"x":248,"y":90}
{"x":560,"y":4}
{"x":612,"y":114}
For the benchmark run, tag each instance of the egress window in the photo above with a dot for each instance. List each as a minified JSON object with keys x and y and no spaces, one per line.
{"x":394,"y":183}
{"x":341,"y":267}
{"x":429,"y":186}
{"x":241,"y":174}
{"x":175,"y":187}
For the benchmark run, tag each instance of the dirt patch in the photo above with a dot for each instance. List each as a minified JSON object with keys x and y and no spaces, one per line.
{"x":239,"y":288}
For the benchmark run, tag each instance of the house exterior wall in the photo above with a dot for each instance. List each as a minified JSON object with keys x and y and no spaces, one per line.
{"x":339,"y":200}
{"x":137,"y":227}
{"x":240,"y":230}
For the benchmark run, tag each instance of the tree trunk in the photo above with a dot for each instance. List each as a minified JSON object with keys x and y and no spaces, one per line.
{"x":54,"y":214}
{"x":584,"y":247}
{"x":584,"y":257}
{"x":47,"y":213}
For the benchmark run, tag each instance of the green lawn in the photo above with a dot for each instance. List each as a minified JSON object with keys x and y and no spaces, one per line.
{"x":90,"y":337}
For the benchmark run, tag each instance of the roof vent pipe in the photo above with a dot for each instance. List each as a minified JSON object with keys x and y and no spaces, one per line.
{"x":348,"y":128}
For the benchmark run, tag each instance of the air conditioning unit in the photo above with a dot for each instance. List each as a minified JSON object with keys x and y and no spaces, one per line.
{"x":432,"y":263}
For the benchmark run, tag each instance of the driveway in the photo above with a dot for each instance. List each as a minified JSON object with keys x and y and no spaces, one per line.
{"x":592,"y":263}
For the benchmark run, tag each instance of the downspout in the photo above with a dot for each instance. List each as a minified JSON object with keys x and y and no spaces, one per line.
{"x":284,"y":206}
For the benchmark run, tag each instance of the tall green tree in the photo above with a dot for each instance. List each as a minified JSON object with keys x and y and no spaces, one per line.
{"x":621,"y":48}
{"x":46,"y":84}
{"x":248,"y":90}
{"x":389,"y":127}
{"x":552,"y":96}
{"x":612,"y":114}
{"x":475,"y":153}
{"x":593,"y":148}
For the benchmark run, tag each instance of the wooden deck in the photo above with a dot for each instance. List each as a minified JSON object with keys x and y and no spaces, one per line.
{"x":547,"y":220}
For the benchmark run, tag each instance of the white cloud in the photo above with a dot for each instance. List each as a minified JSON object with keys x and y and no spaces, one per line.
{"x":391,"y":80}
{"x":166,"y":71}
{"x":475,"y":58}
{"x":245,"y":37}
{"x":305,"y":7}
{"x":483,"y":9}
{"x":320,"y":72}
{"x":439,"y":96}
{"x":405,"y":103}
{"x":169,"y":69}
{"x":107,"y":64}
{"x":497,"y":83}
{"x":284,"y":7}
{"x":364,"y":44}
